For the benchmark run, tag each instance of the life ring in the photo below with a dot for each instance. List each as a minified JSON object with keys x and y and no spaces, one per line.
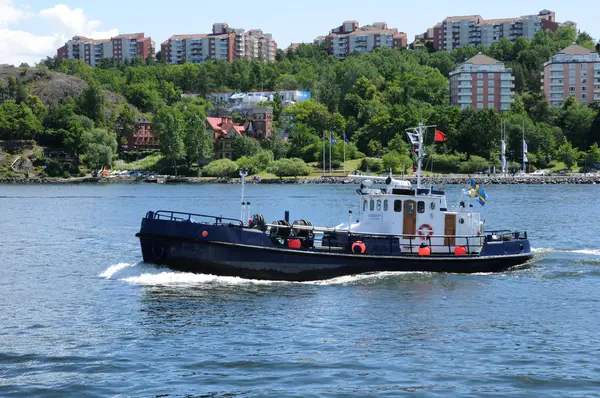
{"x":359,"y":247}
{"x":425,"y":231}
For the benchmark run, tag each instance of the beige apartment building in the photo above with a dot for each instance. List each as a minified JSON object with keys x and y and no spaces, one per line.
{"x":223,"y":43}
{"x":349,"y":38}
{"x":473,"y":30}
{"x":482,"y":82}
{"x":573,"y":71}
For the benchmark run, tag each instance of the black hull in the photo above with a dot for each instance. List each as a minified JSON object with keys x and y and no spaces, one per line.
{"x":270,"y":263}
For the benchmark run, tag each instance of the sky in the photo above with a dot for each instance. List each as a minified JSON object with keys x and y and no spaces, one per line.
{"x":30,"y":30}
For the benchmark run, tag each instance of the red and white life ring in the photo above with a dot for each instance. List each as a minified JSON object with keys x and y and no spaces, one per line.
{"x":425,"y":231}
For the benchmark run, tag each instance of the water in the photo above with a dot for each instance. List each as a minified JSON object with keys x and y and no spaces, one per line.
{"x":82,"y":316}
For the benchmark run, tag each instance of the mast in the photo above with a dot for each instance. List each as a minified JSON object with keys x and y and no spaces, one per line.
{"x":503,"y":145}
{"x":419,"y":155}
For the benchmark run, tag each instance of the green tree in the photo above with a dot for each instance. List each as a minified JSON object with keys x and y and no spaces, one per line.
{"x":100,"y":145}
{"x":92,"y":102}
{"x":567,"y":154}
{"x":198,"y":144}
{"x":167,"y":128}
{"x":244,"y":146}
{"x":17,"y":122}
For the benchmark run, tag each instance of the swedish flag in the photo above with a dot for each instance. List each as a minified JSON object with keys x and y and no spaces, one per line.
{"x":478,"y":192}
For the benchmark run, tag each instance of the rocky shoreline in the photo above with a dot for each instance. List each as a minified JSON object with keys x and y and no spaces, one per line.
{"x":492,"y":180}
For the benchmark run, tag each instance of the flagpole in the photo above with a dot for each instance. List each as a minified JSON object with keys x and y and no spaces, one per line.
{"x":323,"y":157}
{"x":330,"y":137}
{"x":523,"y":128}
{"x":344,"y":154}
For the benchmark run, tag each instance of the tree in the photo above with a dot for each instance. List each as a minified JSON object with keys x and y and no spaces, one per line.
{"x":567,"y":154}
{"x":396,"y":162}
{"x":91,"y":102}
{"x":166,"y":126}
{"x":196,"y":140}
{"x":17,"y":122}
{"x":100,"y":145}
{"x":244,"y":146}
{"x":576,"y":122}
{"x":278,"y":146}
{"x":289,"y":168}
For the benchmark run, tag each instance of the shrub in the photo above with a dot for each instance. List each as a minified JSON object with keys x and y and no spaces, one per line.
{"x":221,"y":168}
{"x":396,"y":162}
{"x":371,"y":164}
{"x":475,"y":164}
{"x":289,"y":168}
{"x":446,"y":163}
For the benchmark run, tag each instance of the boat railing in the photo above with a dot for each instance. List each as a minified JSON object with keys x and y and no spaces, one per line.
{"x":193,"y":218}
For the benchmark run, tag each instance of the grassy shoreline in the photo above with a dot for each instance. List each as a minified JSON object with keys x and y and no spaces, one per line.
{"x":482,"y":179}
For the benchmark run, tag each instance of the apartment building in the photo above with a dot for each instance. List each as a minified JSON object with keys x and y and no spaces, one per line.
{"x":349,"y":38}
{"x":123,"y":47}
{"x":573,"y":71}
{"x":473,"y":30}
{"x":223,"y":43}
{"x":482,"y":82}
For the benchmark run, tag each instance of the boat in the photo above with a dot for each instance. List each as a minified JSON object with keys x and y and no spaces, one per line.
{"x":399,"y":227}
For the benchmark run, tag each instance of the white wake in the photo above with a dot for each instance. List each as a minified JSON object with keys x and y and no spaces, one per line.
{"x":113,"y":269}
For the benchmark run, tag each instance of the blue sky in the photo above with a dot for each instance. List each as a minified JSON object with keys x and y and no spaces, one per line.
{"x":30,"y":29}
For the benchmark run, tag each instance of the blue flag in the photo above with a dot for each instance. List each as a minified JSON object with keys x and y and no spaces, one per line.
{"x":332,"y":139}
{"x":346,"y":138}
{"x":478,"y":192}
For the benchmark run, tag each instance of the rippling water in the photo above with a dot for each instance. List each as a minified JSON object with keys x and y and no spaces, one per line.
{"x":82,"y":316}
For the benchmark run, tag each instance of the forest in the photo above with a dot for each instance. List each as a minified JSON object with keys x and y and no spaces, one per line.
{"x":366,"y":100}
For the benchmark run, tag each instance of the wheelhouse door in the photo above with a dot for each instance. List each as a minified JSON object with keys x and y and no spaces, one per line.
{"x":450,"y":230}
{"x":410,"y":218}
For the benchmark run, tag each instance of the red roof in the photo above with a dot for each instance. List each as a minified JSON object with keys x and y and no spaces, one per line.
{"x":223,"y":125}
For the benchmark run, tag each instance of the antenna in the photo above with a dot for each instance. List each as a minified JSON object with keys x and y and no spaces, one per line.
{"x":243,"y":175}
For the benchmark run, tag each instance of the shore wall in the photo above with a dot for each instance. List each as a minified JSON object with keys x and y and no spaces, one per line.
{"x":484,"y":180}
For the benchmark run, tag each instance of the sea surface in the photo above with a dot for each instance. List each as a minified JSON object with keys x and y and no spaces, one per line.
{"x":81,"y":315}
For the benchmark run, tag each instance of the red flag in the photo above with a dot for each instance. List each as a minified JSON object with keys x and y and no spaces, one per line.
{"x":439,"y":136}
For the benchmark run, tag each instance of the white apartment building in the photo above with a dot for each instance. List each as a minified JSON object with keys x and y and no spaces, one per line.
{"x":482,"y":82}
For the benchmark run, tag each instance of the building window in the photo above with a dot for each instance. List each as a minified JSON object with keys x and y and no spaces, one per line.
{"x":398,"y":206}
{"x":421,"y":207}
{"x":572,"y":73}
{"x":490,"y":98}
{"x":480,"y":91}
{"x":490,"y":105}
{"x":572,"y":80}
{"x":583,"y":88}
{"x":491,"y":91}
{"x":479,"y":105}
{"x":480,"y":75}
{"x":571,"y":89}
{"x":584,"y":81}
{"x":572,"y":66}
{"x":480,"y":83}
{"x":491,"y":83}
{"x":583,"y":96}
{"x":480,"y":98}
{"x":490,"y":76}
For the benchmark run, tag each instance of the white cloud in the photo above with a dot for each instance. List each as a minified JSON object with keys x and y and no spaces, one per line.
{"x":17,"y":46}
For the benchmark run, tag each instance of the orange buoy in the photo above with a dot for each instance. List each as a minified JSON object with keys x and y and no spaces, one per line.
{"x":424,"y":251}
{"x":204,"y":234}
{"x":294,"y":243}
{"x":359,"y":247}
{"x":460,"y":251}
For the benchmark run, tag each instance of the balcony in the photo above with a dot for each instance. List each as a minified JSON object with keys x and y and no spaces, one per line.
{"x":465,"y":100}
{"x":509,"y":85}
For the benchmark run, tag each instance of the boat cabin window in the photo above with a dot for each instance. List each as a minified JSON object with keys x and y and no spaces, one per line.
{"x":365,"y":205}
{"x":372,"y":205}
{"x":385,"y":205}
{"x":379,"y":205}
{"x":421,"y":207}
{"x":398,"y":206}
